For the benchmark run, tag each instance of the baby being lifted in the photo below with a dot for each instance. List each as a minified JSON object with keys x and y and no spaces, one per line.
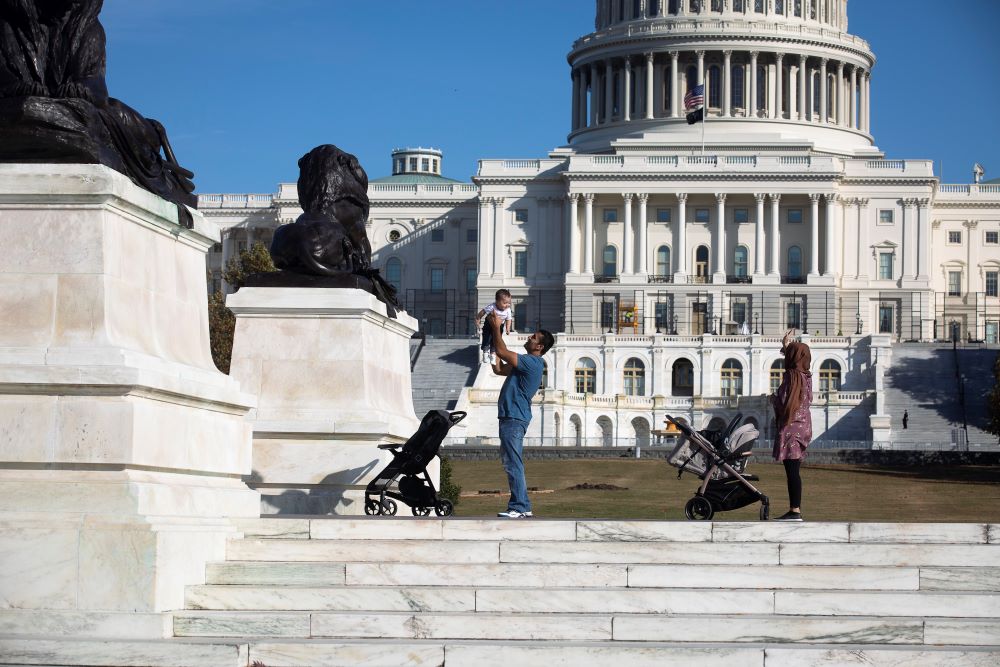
{"x":502,"y":308}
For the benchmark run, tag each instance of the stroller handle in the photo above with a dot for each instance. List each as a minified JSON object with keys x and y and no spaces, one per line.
{"x":457,"y":416}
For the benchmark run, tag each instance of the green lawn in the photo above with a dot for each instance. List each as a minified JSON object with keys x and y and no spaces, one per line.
{"x":830,"y":492}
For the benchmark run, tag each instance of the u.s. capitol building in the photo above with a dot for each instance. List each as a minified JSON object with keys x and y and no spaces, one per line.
{"x":671,"y":257}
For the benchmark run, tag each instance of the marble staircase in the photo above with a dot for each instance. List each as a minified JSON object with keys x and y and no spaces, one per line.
{"x":425,"y":591}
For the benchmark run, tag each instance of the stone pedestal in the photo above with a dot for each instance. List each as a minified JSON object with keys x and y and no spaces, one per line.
{"x":332,"y":374}
{"x":121,"y":446}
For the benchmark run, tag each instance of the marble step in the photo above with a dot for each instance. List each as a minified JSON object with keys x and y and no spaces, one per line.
{"x":591,"y":627}
{"x":43,"y":650}
{"x":85,"y":624}
{"x":422,"y":528}
{"x":308,"y":653}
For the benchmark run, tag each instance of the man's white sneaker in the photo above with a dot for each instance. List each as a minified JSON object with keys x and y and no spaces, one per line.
{"x":513,"y":514}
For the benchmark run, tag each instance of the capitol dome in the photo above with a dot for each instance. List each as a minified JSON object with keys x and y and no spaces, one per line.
{"x":777,"y":73}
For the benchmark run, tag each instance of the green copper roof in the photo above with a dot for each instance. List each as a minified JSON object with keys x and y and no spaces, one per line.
{"x":415,"y":178}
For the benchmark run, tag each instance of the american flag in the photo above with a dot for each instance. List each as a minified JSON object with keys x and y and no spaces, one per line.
{"x":695,"y":98}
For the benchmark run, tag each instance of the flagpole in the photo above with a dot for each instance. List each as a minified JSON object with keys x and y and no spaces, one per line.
{"x":704,"y":121}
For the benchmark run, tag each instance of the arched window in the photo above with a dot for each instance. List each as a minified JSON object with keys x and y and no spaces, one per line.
{"x":701,"y":263}
{"x":779,"y":7}
{"x":636,"y":8}
{"x":674,"y":7}
{"x":740,"y":261}
{"x":737,"y":86}
{"x":585,"y":376}
{"x":717,"y":6}
{"x":695,"y":6}
{"x":663,"y":261}
{"x":394,"y":273}
{"x":817,"y":91}
{"x":545,"y":367}
{"x":682,"y":378}
{"x":739,"y":6}
{"x":714,"y":87}
{"x":794,"y":262}
{"x":829,"y":376}
{"x":667,"y":88}
{"x":607,"y":431}
{"x":732,"y":378}
{"x":777,"y":374}
{"x":797,"y":8}
{"x":634,"y":378}
{"x":761,"y":88}
{"x":610,"y":261}
{"x":812,"y":9}
{"x":758,"y":6}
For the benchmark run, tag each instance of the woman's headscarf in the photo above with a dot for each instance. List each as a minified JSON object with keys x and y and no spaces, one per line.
{"x":798,"y":359}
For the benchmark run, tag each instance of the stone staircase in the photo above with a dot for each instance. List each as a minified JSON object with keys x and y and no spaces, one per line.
{"x":977,"y":369}
{"x":457,"y":592}
{"x":443,"y":367}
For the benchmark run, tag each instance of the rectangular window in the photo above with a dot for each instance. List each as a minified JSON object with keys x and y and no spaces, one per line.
{"x":793,"y":316}
{"x":413,"y":164}
{"x":521,"y":263}
{"x":425,"y":164}
{"x":437,"y":235}
{"x":520,"y":215}
{"x":954,"y":237}
{"x":607,"y":315}
{"x":886,"y":216}
{"x":662,"y":314}
{"x":435,"y":166}
{"x":992,"y":238}
{"x":954,"y":283}
{"x":741,"y":215}
{"x":885,"y":319}
{"x":701,"y":215}
{"x":521,"y":316}
{"x":470,"y":279}
{"x":739,"y":314}
{"x":610,"y":215}
{"x":437,"y":279}
{"x":991,"y":283}
{"x":992,"y":332}
{"x":795,"y":216}
{"x":471,"y":235}
{"x":885,"y":266}
{"x":663,"y":215}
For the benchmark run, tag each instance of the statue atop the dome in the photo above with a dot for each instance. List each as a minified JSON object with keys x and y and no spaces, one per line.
{"x":55,"y":107}
{"x":327,"y":246}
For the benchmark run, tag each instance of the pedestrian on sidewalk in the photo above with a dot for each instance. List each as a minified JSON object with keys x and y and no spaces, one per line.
{"x":906,"y":419}
{"x":792,"y":404}
{"x":524,"y":377}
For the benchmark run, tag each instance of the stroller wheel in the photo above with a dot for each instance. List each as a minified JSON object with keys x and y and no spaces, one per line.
{"x":388,"y":507}
{"x":698,"y":509}
{"x":420,"y":511}
{"x":444,"y":507}
{"x":371,"y":507}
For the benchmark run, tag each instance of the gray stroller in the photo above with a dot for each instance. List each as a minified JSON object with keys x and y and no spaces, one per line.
{"x":719,"y":459}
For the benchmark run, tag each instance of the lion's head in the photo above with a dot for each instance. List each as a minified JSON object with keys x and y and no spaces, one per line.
{"x":328,"y":175}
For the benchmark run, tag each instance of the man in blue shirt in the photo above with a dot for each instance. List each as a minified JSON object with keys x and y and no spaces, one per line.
{"x":524,"y":377}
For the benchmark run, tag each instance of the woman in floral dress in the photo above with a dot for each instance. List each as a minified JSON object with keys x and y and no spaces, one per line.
{"x":791,"y":412}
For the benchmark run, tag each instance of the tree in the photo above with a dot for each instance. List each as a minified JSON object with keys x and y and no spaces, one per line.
{"x":221,"y":321}
{"x":993,"y":402}
{"x":449,"y":488}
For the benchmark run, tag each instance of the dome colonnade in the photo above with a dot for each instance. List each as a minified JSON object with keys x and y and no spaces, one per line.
{"x":762,"y":60}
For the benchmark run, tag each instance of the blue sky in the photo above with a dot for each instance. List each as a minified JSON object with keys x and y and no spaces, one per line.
{"x":245,"y":87}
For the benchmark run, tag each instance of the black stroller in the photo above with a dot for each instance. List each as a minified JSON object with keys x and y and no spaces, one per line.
{"x":719,"y":458}
{"x":406,"y":478}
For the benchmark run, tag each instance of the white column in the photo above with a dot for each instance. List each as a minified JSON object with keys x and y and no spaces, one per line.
{"x":701,"y":74}
{"x":829,"y":262}
{"x":753,"y":84}
{"x":581,"y":120}
{"x":609,"y":92}
{"x":498,"y":236}
{"x":641,"y":250}
{"x":485,"y":234}
{"x":575,"y":118}
{"x":824,"y":86}
{"x":680,"y":250}
{"x":910,"y":248}
{"x":594,"y":96}
{"x":923,"y":242}
{"x":627,"y":92}
{"x":814,"y":235}
{"x":775,"y":236}
{"x":720,"y":238}
{"x":868,"y":102}
{"x":649,"y":85}
{"x":778,"y":111}
{"x":854,"y":98}
{"x":864,"y":251}
{"x":803,"y":104}
{"x":675,"y":91}
{"x":758,"y":263}
{"x":574,"y":233}
{"x":588,"y":233}
{"x":628,"y":259}
{"x":727,"y":82}
{"x":839,"y":100}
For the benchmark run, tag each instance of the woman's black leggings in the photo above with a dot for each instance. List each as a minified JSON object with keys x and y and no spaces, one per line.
{"x":794,"y":482}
